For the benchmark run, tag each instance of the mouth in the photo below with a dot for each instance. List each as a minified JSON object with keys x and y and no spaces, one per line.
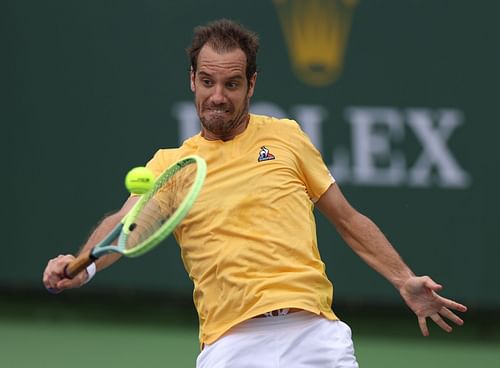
{"x":217,"y":110}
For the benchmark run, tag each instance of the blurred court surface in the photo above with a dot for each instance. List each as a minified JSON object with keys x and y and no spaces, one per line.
{"x":56,"y":332}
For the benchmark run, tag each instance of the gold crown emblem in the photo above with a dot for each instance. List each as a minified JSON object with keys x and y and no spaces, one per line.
{"x":316,"y":33}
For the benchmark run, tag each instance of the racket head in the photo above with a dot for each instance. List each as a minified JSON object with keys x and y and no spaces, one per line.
{"x":159,"y":211}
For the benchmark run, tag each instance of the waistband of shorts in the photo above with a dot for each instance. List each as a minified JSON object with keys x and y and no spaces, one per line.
{"x":283,"y":321}
{"x":279,"y":312}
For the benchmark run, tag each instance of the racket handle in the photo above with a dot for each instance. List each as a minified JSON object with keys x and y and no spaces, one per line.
{"x":81,"y":262}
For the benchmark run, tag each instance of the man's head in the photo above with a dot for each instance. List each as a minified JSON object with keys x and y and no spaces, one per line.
{"x":222,"y":36}
{"x":223,"y":73}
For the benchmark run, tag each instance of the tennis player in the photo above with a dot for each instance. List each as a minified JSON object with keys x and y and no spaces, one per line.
{"x":249,"y":242}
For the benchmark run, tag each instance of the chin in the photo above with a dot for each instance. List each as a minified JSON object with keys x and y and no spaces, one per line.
{"x":217,"y":124}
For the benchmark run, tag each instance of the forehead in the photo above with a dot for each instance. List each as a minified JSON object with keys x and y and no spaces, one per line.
{"x":211,"y":61}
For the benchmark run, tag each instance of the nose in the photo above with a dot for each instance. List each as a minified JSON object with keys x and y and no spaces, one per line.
{"x":218,"y":96}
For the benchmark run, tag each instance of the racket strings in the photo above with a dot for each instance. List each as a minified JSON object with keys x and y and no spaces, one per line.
{"x":161,"y":206}
{"x":145,"y":224}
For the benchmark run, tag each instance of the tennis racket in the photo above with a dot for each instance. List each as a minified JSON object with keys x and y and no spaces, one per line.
{"x":155,"y":215}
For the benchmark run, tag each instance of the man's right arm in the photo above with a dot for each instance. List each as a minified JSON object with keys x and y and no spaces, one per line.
{"x":53,"y":276}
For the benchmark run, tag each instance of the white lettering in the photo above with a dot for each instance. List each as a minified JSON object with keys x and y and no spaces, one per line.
{"x":376,"y":155}
{"x":373,"y":130}
{"x":435,"y":151}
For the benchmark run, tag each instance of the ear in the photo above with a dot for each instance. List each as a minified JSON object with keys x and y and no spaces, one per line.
{"x":191,"y":80}
{"x":251,"y":84}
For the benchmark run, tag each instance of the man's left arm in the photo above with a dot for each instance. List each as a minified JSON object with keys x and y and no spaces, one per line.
{"x":366,"y":239}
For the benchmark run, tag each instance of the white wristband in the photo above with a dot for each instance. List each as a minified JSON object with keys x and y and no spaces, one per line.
{"x":91,"y":270}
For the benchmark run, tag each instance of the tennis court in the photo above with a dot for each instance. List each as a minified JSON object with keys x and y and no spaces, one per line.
{"x":55,"y":334}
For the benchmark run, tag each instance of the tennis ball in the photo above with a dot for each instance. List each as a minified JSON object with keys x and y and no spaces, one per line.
{"x":139,"y":180}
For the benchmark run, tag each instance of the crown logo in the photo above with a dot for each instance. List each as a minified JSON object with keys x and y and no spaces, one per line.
{"x":316,"y":32}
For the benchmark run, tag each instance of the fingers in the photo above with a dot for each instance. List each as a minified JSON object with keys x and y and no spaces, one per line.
{"x":448,"y":303}
{"x":445,"y":312}
{"x":436,"y":317}
{"x":431,"y":284}
{"x":420,"y":293}
{"x":53,"y":275}
{"x":423,"y":326}
{"x":75,"y":282}
{"x":441,"y":323}
{"x":422,"y":322}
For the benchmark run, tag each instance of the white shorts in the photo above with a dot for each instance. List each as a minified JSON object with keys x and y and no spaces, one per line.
{"x":300,"y":339}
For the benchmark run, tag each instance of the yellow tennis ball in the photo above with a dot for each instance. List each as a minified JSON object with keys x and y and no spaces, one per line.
{"x":139,"y":180}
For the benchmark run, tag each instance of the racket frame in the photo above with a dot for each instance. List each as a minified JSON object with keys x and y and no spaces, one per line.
{"x":169,"y":226}
{"x":123,"y":228}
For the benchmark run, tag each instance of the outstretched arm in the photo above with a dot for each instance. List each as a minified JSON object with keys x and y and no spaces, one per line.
{"x":366,"y":239}
{"x":53,"y":275}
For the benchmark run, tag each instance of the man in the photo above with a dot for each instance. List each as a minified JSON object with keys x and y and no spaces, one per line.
{"x":249,"y":242}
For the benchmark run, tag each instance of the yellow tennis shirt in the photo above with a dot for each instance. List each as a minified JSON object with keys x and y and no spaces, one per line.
{"x":249,"y":242}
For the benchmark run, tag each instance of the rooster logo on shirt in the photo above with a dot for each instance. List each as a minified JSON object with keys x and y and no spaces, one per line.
{"x":265,"y":155}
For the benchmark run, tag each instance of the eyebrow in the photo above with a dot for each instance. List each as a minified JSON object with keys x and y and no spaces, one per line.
{"x":236,"y":76}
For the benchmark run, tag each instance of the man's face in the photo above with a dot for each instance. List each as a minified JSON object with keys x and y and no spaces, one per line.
{"x":222,"y":92}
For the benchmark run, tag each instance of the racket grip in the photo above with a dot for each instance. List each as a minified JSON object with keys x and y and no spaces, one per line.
{"x":81,"y":262}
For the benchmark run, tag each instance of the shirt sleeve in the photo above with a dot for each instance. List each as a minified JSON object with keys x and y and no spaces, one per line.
{"x":311,"y":167}
{"x":161,"y":160}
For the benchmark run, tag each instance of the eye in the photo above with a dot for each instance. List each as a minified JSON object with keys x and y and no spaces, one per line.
{"x":206,"y":82}
{"x":232,"y":85}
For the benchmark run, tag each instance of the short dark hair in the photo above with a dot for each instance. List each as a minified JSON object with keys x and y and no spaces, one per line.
{"x":225,"y":35}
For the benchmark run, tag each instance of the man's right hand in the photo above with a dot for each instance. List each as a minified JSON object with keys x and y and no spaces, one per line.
{"x":54,"y":279}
